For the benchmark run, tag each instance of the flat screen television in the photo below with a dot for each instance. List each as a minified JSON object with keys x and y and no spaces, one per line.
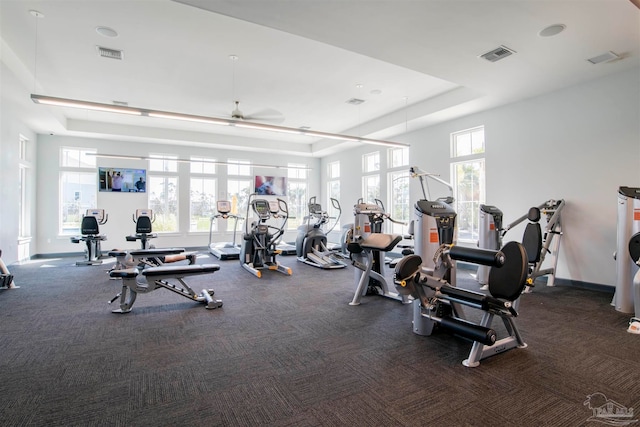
{"x":122,"y":180}
{"x":270,"y":185}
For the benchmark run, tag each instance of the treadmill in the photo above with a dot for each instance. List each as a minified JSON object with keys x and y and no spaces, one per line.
{"x":224,"y":250}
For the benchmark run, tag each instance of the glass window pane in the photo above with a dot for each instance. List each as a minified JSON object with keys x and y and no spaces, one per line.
{"x":238,"y":191}
{"x":297,"y":203}
{"x":202,"y":204}
{"x":203,"y":165}
{"x":399,"y":206}
{"x":163,"y":199}
{"x":398,"y":157}
{"x":238,"y":167}
{"x":77,"y":194}
{"x":334,"y":170}
{"x":469,"y":193}
{"x":371,"y":162}
{"x":371,"y":188}
{"x":297,"y":173}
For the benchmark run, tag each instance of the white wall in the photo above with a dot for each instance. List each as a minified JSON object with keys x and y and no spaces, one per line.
{"x":120,"y":207}
{"x":579,"y":144}
{"x":11,"y":128}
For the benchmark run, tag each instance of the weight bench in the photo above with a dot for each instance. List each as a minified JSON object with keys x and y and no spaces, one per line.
{"x":158,"y":277}
{"x":439,"y":304}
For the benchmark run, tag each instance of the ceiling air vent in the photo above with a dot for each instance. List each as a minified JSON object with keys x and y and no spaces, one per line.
{"x":105,"y":52}
{"x":498,"y":54}
{"x":355,"y":101}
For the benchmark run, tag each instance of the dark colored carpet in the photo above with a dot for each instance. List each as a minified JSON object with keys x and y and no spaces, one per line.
{"x":291,"y":351}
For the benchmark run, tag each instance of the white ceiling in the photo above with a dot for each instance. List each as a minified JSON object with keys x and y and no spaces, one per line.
{"x":416,"y":62}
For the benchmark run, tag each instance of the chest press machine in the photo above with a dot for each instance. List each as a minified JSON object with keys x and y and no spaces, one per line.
{"x":158,"y":277}
{"x":438,"y":304}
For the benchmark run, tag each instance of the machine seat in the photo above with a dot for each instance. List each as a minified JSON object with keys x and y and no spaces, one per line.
{"x":380,"y":241}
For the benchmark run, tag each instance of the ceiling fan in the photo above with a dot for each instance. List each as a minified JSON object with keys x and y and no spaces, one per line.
{"x":264,"y":115}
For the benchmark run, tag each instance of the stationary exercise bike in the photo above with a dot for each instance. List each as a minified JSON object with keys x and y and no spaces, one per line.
{"x":143,"y":218}
{"x":90,"y":234}
{"x":224,"y":250}
{"x":311,"y":243}
{"x":259,"y":250}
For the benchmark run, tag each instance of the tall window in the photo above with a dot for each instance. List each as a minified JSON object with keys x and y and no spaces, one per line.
{"x":202,"y":194}
{"x":371,"y":177}
{"x":398,"y":185}
{"x":163,"y":192}
{"x":298,"y":196}
{"x":239,"y":185}
{"x":78,"y":187}
{"x":468,"y":179}
{"x":333,"y":187}
{"x":24,"y":221}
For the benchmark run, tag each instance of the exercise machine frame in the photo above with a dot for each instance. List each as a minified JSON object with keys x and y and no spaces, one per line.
{"x":311,"y":242}
{"x":225,"y":250}
{"x":159,"y":277}
{"x":439,"y":304}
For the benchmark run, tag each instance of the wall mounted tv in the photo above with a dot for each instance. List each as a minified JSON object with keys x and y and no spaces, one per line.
{"x":122,"y":180}
{"x":271,"y":185}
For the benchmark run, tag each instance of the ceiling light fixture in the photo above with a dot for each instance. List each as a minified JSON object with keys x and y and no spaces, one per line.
{"x":214,"y":162}
{"x":96,"y":106}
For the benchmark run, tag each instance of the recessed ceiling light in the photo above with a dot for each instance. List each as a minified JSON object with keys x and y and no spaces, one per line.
{"x":106,"y":31}
{"x":552,"y":30}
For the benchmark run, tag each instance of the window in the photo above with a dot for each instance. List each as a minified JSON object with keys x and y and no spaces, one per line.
{"x":24,"y":221}
{"x":468,"y":179}
{"x":371,"y":183}
{"x":297,"y":192}
{"x":333,"y":187}
{"x":398,"y":157}
{"x":202,"y":195}
{"x":239,"y":185}
{"x":78,"y":187}
{"x":162,"y":189}
{"x":398,"y":184}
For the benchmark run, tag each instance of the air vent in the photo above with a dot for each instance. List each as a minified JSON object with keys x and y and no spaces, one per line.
{"x":498,"y":54}
{"x":355,"y":101}
{"x":105,"y":52}
{"x":605,"y":57}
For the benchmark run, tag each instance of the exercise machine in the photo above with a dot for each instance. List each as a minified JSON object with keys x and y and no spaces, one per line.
{"x":367,"y":252}
{"x":634,"y":252}
{"x":311,"y":243}
{"x":435,"y":221}
{"x":224,"y":250}
{"x":6,"y":278}
{"x":537,"y":242}
{"x":372,"y":281}
{"x":161,"y":277}
{"x":258,"y":251}
{"x":626,"y":256}
{"x":90,"y":234}
{"x":438,"y":304}
{"x":143,"y":218}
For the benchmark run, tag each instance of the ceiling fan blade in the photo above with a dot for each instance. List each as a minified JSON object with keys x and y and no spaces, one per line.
{"x":266,"y":115}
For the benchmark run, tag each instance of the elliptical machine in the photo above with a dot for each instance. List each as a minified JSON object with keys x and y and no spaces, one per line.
{"x":224,"y":250}
{"x":311,"y":243}
{"x":258,"y":251}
